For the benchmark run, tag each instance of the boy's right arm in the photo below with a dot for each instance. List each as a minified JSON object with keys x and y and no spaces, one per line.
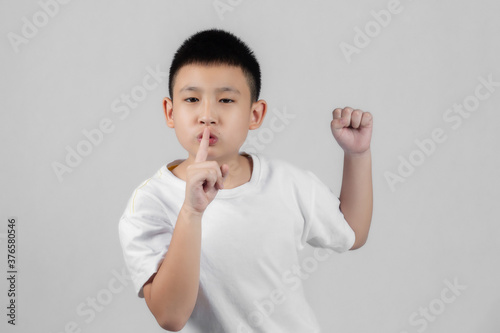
{"x":171,"y":292}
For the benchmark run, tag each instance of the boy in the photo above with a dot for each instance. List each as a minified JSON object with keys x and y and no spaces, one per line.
{"x":210,"y":240}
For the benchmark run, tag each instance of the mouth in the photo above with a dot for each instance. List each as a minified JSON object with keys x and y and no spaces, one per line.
{"x":212,"y":140}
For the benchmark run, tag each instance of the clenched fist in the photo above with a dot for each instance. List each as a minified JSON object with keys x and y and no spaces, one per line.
{"x":352,"y":129}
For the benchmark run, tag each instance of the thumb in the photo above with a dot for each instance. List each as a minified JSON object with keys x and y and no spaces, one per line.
{"x":337,"y":124}
{"x":225,"y":171}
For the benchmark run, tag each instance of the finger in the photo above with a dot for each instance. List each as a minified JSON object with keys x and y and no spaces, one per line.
{"x":337,"y":122}
{"x":209,"y":179}
{"x":221,"y":175}
{"x":341,"y":118}
{"x":346,"y":114}
{"x":202,"y":153}
{"x":356,"y":118}
{"x":224,"y":170}
{"x":337,"y":113}
{"x":219,"y":181}
{"x":367,"y":119}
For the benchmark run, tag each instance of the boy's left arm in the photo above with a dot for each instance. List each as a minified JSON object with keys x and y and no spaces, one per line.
{"x":353,"y":129}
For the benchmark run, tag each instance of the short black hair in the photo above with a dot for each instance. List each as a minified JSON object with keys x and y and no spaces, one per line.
{"x":217,"y":47}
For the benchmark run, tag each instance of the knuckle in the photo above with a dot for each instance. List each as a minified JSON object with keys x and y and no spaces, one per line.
{"x":347,"y":112}
{"x":210,"y":174}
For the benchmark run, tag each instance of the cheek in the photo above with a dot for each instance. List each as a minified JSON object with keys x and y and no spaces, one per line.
{"x":239,"y":130}
{"x":182,"y":128}
{"x":238,"y":118}
{"x":183,"y":122}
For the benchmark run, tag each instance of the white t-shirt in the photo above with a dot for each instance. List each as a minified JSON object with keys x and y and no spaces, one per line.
{"x":250,"y":275}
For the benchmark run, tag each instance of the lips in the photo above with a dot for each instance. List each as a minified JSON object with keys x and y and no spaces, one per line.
{"x":212,"y":136}
{"x":212,"y":140}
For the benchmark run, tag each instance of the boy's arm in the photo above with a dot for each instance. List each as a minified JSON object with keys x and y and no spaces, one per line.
{"x":352,"y":129}
{"x":356,"y":195}
{"x":171,"y":293}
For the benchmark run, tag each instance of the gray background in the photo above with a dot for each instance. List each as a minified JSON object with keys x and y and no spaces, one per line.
{"x":440,"y":224}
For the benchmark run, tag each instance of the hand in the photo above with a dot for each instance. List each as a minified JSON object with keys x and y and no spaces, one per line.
{"x":203,"y":178}
{"x":352,"y":129}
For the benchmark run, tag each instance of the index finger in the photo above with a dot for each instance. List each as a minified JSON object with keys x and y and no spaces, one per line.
{"x":202,"y":153}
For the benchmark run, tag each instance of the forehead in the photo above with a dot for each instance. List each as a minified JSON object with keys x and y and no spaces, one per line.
{"x":211,"y":77}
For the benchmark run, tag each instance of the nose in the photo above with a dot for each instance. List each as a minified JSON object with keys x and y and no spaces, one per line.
{"x":208,"y":114}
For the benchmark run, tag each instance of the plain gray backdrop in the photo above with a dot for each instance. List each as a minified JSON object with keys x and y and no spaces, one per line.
{"x":431,"y":262}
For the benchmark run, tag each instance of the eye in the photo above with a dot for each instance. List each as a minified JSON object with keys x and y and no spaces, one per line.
{"x":191,"y":99}
{"x":226,"y":100}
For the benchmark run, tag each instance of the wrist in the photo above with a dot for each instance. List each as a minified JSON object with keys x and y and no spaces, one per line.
{"x":362,"y":154}
{"x":190,"y":213}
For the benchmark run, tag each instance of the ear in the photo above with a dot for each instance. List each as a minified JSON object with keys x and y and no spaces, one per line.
{"x":258,"y":112}
{"x":168,"y":109}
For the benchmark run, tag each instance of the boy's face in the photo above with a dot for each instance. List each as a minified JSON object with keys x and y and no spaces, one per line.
{"x":217,"y":96}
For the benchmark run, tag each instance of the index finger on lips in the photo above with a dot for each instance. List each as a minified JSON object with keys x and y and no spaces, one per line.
{"x":202,"y":153}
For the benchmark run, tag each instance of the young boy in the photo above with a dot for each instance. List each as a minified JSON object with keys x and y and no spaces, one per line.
{"x":210,"y":241}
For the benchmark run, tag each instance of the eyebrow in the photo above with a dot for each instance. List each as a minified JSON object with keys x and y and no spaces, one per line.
{"x":221,"y":89}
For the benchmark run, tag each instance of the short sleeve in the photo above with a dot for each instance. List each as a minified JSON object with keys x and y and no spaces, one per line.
{"x":145,"y":234}
{"x":324,"y":223}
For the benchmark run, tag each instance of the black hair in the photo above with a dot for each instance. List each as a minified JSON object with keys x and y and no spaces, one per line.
{"x":217,"y":47}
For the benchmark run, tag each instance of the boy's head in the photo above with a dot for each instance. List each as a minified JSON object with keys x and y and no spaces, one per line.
{"x":215,"y":82}
{"x":217,"y":47}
